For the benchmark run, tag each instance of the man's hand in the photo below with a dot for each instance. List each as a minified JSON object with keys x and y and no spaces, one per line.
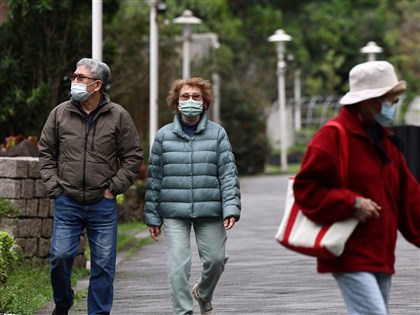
{"x":229,"y":223}
{"x":154,"y":232}
{"x":108,"y":194}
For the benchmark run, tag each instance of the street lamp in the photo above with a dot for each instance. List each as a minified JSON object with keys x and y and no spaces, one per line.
{"x":371,"y":49}
{"x":202,"y":47}
{"x":187,"y":19}
{"x":153,"y":98}
{"x":280,"y":38}
{"x":97,"y":8}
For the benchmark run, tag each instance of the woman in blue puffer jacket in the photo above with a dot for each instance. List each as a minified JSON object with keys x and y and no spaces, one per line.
{"x":192,"y":181}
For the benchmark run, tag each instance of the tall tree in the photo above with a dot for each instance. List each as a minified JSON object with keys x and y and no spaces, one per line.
{"x":41,"y":42}
{"x":43,"y":39}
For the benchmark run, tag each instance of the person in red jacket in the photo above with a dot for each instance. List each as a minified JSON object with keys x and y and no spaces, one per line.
{"x":382,"y":193}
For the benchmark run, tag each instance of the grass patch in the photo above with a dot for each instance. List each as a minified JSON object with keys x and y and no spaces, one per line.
{"x":131,"y":227}
{"x":138,"y":245}
{"x":126,"y":235}
{"x":292,"y":169}
{"x":28,"y":288}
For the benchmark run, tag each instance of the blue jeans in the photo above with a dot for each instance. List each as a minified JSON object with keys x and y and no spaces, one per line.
{"x":365,"y":293}
{"x":100,"y":220}
{"x":210,"y":235}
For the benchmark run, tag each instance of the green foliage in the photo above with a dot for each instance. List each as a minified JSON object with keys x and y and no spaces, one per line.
{"x":7,"y":208}
{"x":292,"y":169}
{"x":28,"y":288}
{"x":7,"y":255}
{"x":43,"y":39}
{"x":246,"y":128}
{"x":402,"y":18}
{"x":41,"y":42}
{"x":120,"y":199}
{"x":127,"y":235}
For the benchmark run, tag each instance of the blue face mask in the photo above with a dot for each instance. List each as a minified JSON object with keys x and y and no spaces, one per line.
{"x":79,"y":92}
{"x":386,"y":116}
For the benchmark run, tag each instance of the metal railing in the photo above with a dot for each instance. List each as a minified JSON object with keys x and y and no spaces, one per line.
{"x":317,"y":110}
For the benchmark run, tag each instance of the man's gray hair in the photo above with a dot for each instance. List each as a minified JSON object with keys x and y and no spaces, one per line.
{"x":99,"y":70}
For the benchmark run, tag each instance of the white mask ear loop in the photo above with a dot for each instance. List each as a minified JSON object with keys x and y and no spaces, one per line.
{"x":93,"y":83}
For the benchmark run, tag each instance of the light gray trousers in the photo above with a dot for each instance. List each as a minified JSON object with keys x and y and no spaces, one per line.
{"x":210,"y":235}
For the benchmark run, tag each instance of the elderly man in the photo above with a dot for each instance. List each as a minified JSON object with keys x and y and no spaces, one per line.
{"x":89,"y":153}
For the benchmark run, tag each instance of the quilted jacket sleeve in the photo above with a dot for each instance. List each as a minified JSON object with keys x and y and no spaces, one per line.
{"x":228,"y":176}
{"x":154,"y":179}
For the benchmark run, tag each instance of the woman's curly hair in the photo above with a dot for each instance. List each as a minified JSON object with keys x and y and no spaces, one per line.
{"x":203,"y":85}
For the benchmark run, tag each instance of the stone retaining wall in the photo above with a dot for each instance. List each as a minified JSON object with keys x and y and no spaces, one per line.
{"x":20,"y":183}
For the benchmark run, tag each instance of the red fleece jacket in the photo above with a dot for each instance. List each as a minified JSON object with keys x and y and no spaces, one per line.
{"x":318,"y":192}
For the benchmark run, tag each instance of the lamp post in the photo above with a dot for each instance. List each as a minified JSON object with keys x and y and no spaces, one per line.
{"x":215,"y":77}
{"x":298,"y":99}
{"x":153,"y":98}
{"x":187,"y":19}
{"x":371,"y":49}
{"x":203,"y":45}
{"x":97,"y":29}
{"x":280,"y":38}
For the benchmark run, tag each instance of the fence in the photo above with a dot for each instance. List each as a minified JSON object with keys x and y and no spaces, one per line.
{"x":317,"y":110}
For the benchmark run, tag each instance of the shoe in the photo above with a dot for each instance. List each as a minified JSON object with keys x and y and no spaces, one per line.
{"x":205,"y":307}
{"x":62,"y":311}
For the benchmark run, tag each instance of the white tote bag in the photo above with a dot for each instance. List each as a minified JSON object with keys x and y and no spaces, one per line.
{"x":298,"y":233}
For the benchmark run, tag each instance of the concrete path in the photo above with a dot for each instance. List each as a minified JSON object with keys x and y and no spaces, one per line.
{"x":261,"y":277}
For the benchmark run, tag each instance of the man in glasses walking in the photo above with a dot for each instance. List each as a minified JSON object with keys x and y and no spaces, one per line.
{"x":89,"y":153}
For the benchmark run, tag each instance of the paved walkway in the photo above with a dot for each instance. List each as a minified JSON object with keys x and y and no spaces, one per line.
{"x":260,"y":277}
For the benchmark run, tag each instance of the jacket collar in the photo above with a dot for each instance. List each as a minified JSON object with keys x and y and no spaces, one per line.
{"x":104,"y":104}
{"x":350,"y":120}
{"x":202,"y":124}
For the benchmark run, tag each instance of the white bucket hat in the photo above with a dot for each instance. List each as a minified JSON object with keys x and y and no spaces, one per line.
{"x":372,"y":79}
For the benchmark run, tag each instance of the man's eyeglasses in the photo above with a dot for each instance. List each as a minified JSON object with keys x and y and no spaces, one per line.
{"x":80,"y":77}
{"x":187,"y":96}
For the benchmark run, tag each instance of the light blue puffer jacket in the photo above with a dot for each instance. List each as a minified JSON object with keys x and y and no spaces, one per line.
{"x":191,"y":177}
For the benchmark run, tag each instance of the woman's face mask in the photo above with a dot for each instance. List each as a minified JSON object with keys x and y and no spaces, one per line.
{"x":190,"y":102}
{"x":190,"y":108}
{"x":387,"y":114}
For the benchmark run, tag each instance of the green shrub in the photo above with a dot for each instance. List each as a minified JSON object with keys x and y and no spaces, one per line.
{"x":7,"y":208}
{"x":7,"y":258}
{"x":7,"y":255}
{"x":28,"y":288}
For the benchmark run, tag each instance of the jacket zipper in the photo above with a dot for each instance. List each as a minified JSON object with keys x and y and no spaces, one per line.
{"x":84,"y":160}
{"x":87,"y":130}
{"x":93,"y":135}
{"x":192,"y":177}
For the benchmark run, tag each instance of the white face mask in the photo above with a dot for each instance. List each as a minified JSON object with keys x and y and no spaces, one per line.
{"x":79,"y":92}
{"x":190,"y":108}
